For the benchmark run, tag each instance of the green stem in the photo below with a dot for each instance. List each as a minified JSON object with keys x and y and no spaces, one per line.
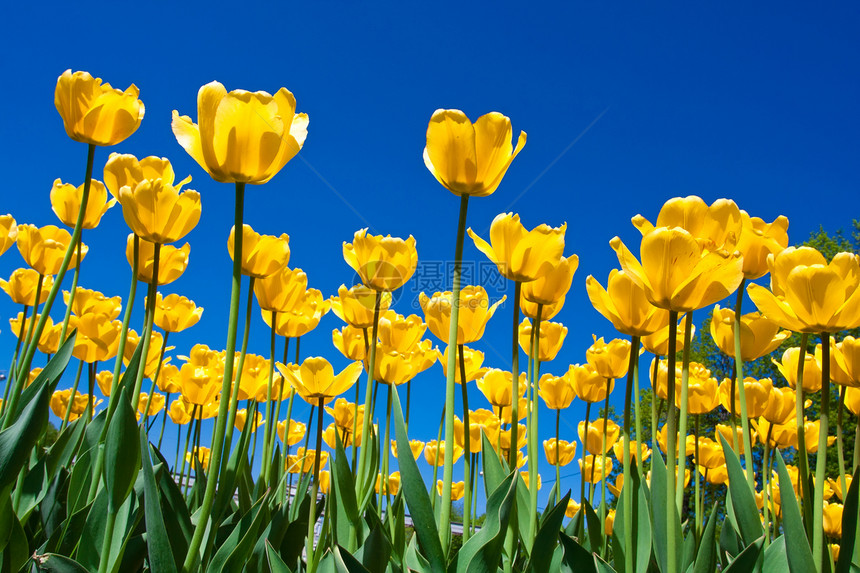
{"x":312,"y":515}
{"x":368,"y":396}
{"x":582,"y":472}
{"x":467,"y":446}
{"x":408,"y":401}
{"x":739,"y":368}
{"x":671,"y":438}
{"x":839,"y":446}
{"x":12,"y":366}
{"x":515,"y":377}
{"x":267,"y":443}
{"x":603,"y":474}
{"x":220,"y":422}
{"x":234,"y":396}
{"x":626,"y":490}
{"x":183,"y":480}
{"x":697,"y":507}
{"x":533,"y":430}
{"x":818,"y":549}
{"x":28,"y":338}
{"x":385,"y":452}
{"x":152,"y":386}
{"x":765,"y":484}
{"x":433,"y":490}
{"x":684,"y":407}
{"x":163,"y":420}
{"x":72,"y":396}
{"x":448,"y":470}
{"x":355,"y":411}
{"x":72,"y":292}
{"x":654,"y":429}
{"x":104,"y":561}
{"x":639,"y":439}
{"x":803,"y":458}
{"x":557,"y":458}
{"x":146,"y":336}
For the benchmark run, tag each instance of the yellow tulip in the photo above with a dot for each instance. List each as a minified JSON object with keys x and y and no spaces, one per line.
{"x":66,"y":203}
{"x":8,"y":232}
{"x":557,"y":392}
{"x":88,"y":301}
{"x":349,"y":341}
{"x":255,"y":376}
{"x":559,"y":454}
{"x":702,"y":394}
{"x":158,"y":212}
{"x":525,"y":475}
{"x":689,"y":442}
{"x":836,"y":485}
{"x":200,"y":384}
{"x":588,"y":384}
{"x":18,"y":325}
{"x":168,"y":379}
{"x":244,"y":137}
{"x":303,"y":318}
{"x":480,"y":422}
{"x":355,"y":305}
{"x":758,"y":395}
{"x":458,"y":489}
{"x":758,"y":240}
{"x":391,"y":367}
{"x":156,"y":342}
{"x":521,"y":255}
{"x":383,"y":263}
{"x":180,"y":411}
{"x":619,"y":484}
{"x":715,"y":476}
{"x":104,"y":379}
{"x":434,"y":452}
{"x":325,"y":481}
{"x":522,"y":439}
{"x":391,"y":487}
{"x":759,"y":334}
{"x":726,"y":432}
{"x":553,"y":286}
{"x":44,"y":248}
{"x":609,"y":359}
{"x":547,"y":312}
{"x":60,"y":402}
{"x":242,"y":419}
{"x":496,"y":384}
{"x":780,"y":405}
{"x":811,"y":369}
{"x":573,"y":507}
{"x":281,"y":291}
{"x":711,"y":454}
{"x":315,"y":379}
{"x":852,"y":400}
{"x":809,"y":295}
{"x":344,"y":413}
{"x":591,"y":471}
{"x":643,"y":453}
{"x":49,"y":342}
{"x":715,"y":227}
{"x":415,"y":446}
{"x":175,"y":313}
{"x":262,"y":255}
{"x":400,"y":333}
{"x":155,"y":403}
{"x":172,"y":261}
{"x":97,"y":339}
{"x":202,"y":454}
{"x":96,"y":113}
{"x":833,"y":520}
{"x":813,"y":430}
{"x":21,"y":287}
{"x":838,"y":365}
{"x":552,"y":335}
{"x":124,"y":170}
{"x":625,"y":305}
{"x":467,"y":158}
{"x":658,"y":342}
{"x":473,"y":359}
{"x":475,"y":312}
{"x":592,"y":437}
{"x":610,"y":522}
{"x":848,"y":358}
{"x":295,"y":434}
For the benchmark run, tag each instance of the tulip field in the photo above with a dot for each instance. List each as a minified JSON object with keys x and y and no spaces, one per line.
{"x":97,"y":488}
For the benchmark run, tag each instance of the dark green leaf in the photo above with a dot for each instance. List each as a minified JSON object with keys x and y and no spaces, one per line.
{"x":49,"y":376}
{"x":376,"y":550}
{"x":595,"y":528}
{"x":797,"y":546}
{"x":19,"y":439}
{"x":775,"y":558}
{"x":706,"y":559}
{"x":576,"y":558}
{"x":744,"y":508}
{"x":276,"y":564}
{"x":122,"y":454}
{"x":483,"y":552}
{"x":746,"y":561}
{"x":494,"y":472}
{"x":663,"y":507}
{"x":349,"y":524}
{"x":546,"y":538}
{"x":161,"y":558}
{"x":233,"y":552}
{"x":58,"y":564}
{"x":850,"y":531}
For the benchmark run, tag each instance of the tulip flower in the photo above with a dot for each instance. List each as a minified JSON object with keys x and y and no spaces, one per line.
{"x":172,"y":261}
{"x":125,"y":170}
{"x":836,"y":485}
{"x":496,"y":386}
{"x":758,"y":394}
{"x":168,"y":379}
{"x":154,"y":404}
{"x":475,"y":313}
{"x":780,"y":406}
{"x":175,"y":313}
{"x":199,"y":383}
{"x":592,"y":438}
{"x":609,"y":523}
{"x":104,"y":379}
{"x":392,"y":485}
{"x":553,"y":286}
{"x":458,"y":489}
{"x":611,"y":359}
{"x":294,"y":435}
{"x":158,"y":212}
{"x":592,"y":472}
{"x":466,"y":158}
{"x":588,"y":384}
{"x":344,"y":413}
{"x":43,"y":248}
{"x":759,"y":334}
{"x":22,"y":286}
{"x":400,"y":333}
{"x":658,"y":342}
{"x":88,"y":301}
{"x":303,"y":318}
{"x":689,"y":442}
{"x":473,"y":359}
{"x":8,"y":232}
{"x":315,"y":379}
{"x":521,"y":255}
{"x":480,"y":422}
{"x":281,"y":291}
{"x":60,"y":402}
{"x":557,"y":392}
{"x":715,"y":227}
{"x":505,"y":438}
{"x":180,"y":411}
{"x":243,"y":137}
{"x":702,"y":388}
{"x":811,"y":369}
{"x":153,"y":353}
{"x":202,"y":454}
{"x":96,"y":113}
{"x":242,"y":419}
{"x":547,"y":312}
{"x":625,"y":305}
{"x":726,"y":432}
{"x":97,"y":339}
{"x":525,"y":476}
{"x":758,"y":240}
{"x":415,"y":446}
{"x":383,"y":263}
{"x":552,"y":335}
{"x":813,"y":431}
{"x":355,"y":305}
{"x":262,"y":255}
{"x":349,"y":341}
{"x":66,"y":203}
{"x":710,"y":454}
{"x":833,"y":520}
{"x":434,"y":452}
{"x":560,"y":453}
{"x":49,"y":342}
{"x":572,"y":508}
{"x":638,"y":452}
{"x":18,"y":325}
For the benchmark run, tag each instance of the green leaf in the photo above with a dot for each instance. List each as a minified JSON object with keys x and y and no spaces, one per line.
{"x":233,"y":552}
{"x":161,"y":558}
{"x":850,"y":530}
{"x":376,"y":550}
{"x":482,"y":553}
{"x":346,"y":563}
{"x":79,"y":481}
{"x":122,"y":454}
{"x":796,"y":544}
{"x":494,"y":471}
{"x":661,"y":508}
{"x":276,"y":564}
{"x":229,"y":473}
{"x":58,"y":564}
{"x":546,"y":538}
{"x":576,"y":558}
{"x":177,"y":520}
{"x":347,"y":506}
{"x":595,"y":529}
{"x":706,"y":559}
{"x":744,"y":508}
{"x":775,"y":557}
{"x":67,"y":446}
{"x":641,"y":547}
{"x":746,"y":561}
{"x":730,"y":541}
{"x":417,"y":498}
{"x":49,"y":376}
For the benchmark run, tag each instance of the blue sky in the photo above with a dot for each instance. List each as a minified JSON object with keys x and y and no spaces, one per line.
{"x":625,"y":106}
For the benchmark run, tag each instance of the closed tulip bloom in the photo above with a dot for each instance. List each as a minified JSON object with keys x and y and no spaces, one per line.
{"x":242,"y":419}
{"x":180,"y":411}
{"x":400,"y":333}
{"x":573,"y":507}
{"x":638,"y":452}
{"x":94,"y":112}
{"x":618,"y":486}
{"x":522,"y":439}
{"x":833,"y":520}
{"x":658,"y":342}
{"x":415,"y":447}
{"x":715,"y":227}
{"x":22,"y":284}
{"x":718,"y":475}
{"x":591,"y":471}
{"x":592,"y":438}
{"x":481,"y":422}
{"x":383,"y":263}
{"x":726,"y":432}
{"x":349,"y":341}
{"x":677,"y":272}
{"x":472,"y":359}
{"x":242,"y":136}
{"x":158,"y":212}
{"x":49,"y":342}
{"x":758,"y":394}
{"x":836,"y":485}
{"x":202,"y":454}
{"x":559,"y":454}
{"x":97,"y":339}
{"x":521,"y":255}
{"x":521,"y":460}
{"x":104,"y":379}
{"x":811,"y":369}
{"x":813,"y":430}
{"x":391,"y":367}
{"x":496,"y":384}
{"x":609,"y":525}
{"x":809,"y":295}
{"x":66,"y":203}
{"x":434,"y":452}
{"x":391,"y":486}
{"x":199,"y":384}
{"x":625,"y":305}
{"x":172,"y":261}
{"x":262,"y":255}
{"x":838,"y":367}
{"x":60,"y":402}
{"x":355,"y":305}
{"x":852,"y":400}
{"x":525,"y":475}
{"x":467,"y":158}
{"x":588,"y":384}
{"x":759,"y":240}
{"x":759,"y":334}
{"x":18,"y":326}
{"x":175,"y":313}
{"x":156,"y":341}
{"x":315,"y":379}
{"x":552,"y":335}
{"x":295,"y":433}
{"x":43,"y":248}
{"x":702,"y":387}
{"x":458,"y":489}
{"x":610,"y":359}
{"x":547,"y":312}
{"x":553,"y":286}
{"x":255,"y":375}
{"x":343,"y":413}
{"x":689,"y":442}
{"x":711,"y":454}
{"x":303,"y":461}
{"x":557,"y":391}
{"x":88,"y":301}
{"x":282,"y":290}
{"x":168,"y":379}
{"x":155,"y":403}
{"x":475,"y":312}
{"x":8,"y":232}
{"x":848,"y":358}
{"x":303,"y":318}
{"x":780,"y":406}
{"x":125,"y":170}
{"x":781,"y":435}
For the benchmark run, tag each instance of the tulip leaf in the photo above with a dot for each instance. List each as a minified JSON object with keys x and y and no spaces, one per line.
{"x":521,"y":513}
{"x":641,"y":545}
{"x":122,"y":454}
{"x":161,"y":558}
{"x":796,"y":544}
{"x":346,"y":563}
{"x":414,"y":560}
{"x":849,"y":525}
{"x":53,"y":563}
{"x":49,"y":376}
{"x":661,"y":509}
{"x":746,"y":561}
{"x":347,"y":506}
{"x":546,"y":538}
{"x":229,"y":473}
{"x":235,"y":549}
{"x":706,"y":559}
{"x":595,"y":531}
{"x":67,"y":446}
{"x":775,"y":557}
{"x":417,"y":498}
{"x":483,"y":551}
{"x":494,"y":472}
{"x":576,"y":558}
{"x":743,"y":507}
{"x":374,"y":554}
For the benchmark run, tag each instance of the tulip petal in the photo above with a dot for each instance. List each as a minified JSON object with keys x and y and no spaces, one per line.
{"x":451,"y":149}
{"x":187,"y":133}
{"x":773,"y":308}
{"x":484,"y":247}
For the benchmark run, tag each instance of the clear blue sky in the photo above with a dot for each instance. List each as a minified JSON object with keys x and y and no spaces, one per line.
{"x":624,"y":106}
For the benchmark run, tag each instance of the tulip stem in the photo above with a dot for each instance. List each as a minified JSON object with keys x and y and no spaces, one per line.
{"x":739,"y":374}
{"x":72,"y":395}
{"x":603,"y":448}
{"x":234,"y":396}
{"x":145,"y":416}
{"x":193,"y":554}
{"x":839,"y":446}
{"x":163,"y":420}
{"x":557,"y":458}
{"x":29,"y":336}
{"x":72,"y":291}
{"x":821,"y":456}
{"x":386,"y":457}
{"x":146,"y":335}
{"x":803,"y":458}
{"x":584,"y":439}
{"x":467,"y":439}
{"x":408,"y":400}
{"x":765,"y":483}
{"x":267,"y":441}
{"x":355,"y":411}
{"x":433,"y":489}
{"x":368,"y":400}
{"x":639,"y":438}
{"x":12,"y":366}
{"x":182,"y":479}
{"x":626,"y":492}
{"x":654,"y":419}
{"x":684,"y":407}
{"x":695,"y":472}
{"x":58,"y":281}
{"x":453,"y":330}
{"x":312,"y":509}
{"x":671,"y":438}
{"x":533,"y":429}
{"x":515,"y":376}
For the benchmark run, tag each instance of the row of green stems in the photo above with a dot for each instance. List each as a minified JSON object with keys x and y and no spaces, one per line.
{"x":684,"y":407}
{"x":739,"y":375}
{"x":821,"y":458}
{"x":467,"y":439}
{"x":533,"y":428}
{"x":626,"y":490}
